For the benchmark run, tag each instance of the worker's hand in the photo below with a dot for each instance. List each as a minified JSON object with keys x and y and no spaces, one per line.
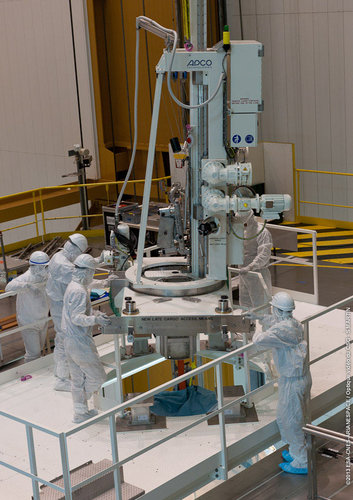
{"x":100,"y":259}
{"x":103,"y":320}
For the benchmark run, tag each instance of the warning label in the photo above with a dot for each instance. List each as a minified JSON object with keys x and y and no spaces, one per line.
{"x":245,"y":100}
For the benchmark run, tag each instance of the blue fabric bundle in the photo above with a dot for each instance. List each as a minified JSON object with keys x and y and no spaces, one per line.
{"x":193,"y":400}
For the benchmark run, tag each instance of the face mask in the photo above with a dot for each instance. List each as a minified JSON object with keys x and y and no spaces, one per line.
{"x":72,"y":250}
{"x":277,"y":313}
{"x":39,"y":271}
{"x":89,"y":276}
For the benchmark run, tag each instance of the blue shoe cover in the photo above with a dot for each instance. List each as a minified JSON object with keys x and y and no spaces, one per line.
{"x":287,"y":456}
{"x":286,"y":467}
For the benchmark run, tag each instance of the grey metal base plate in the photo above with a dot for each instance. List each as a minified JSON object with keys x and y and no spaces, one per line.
{"x":102,"y":488}
{"x":248,"y":414}
{"x":123,"y":424}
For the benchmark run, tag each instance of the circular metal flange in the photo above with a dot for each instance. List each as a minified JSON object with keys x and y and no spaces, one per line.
{"x":170,"y":279}
{"x":225,"y":311}
{"x":128,"y":313}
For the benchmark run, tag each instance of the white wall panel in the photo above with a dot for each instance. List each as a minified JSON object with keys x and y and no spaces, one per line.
{"x":335,"y":5}
{"x":264,"y":36}
{"x":348,"y":5}
{"x":322,"y":111}
{"x":338,"y":112}
{"x":279,"y":88}
{"x":38,"y":102}
{"x":290,"y":6}
{"x":292,"y":64}
{"x":307,"y":85}
{"x":278,"y":160}
{"x":348,"y":81}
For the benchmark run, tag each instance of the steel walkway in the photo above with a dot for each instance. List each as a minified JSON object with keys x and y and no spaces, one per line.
{"x":265,"y":481}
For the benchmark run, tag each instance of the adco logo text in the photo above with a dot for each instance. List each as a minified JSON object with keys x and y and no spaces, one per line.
{"x":200,"y":62}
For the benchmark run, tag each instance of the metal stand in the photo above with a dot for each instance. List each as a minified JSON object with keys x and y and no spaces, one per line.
{"x":4,"y":257}
{"x":83,"y":160}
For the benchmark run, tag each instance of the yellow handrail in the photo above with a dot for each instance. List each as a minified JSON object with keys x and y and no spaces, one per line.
{"x":322,"y":172}
{"x":298,"y":171}
{"x":90,"y":184}
{"x":39,"y":192}
{"x":325,"y":204}
{"x":74,"y":216}
{"x":17,"y":227}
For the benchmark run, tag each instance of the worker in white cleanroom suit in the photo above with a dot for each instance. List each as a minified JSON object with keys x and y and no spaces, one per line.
{"x":86,"y":370}
{"x":257,"y":254}
{"x":60,"y":274}
{"x":32,"y":303}
{"x":285,"y":336}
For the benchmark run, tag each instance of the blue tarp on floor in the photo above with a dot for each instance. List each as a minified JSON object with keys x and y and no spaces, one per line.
{"x":194,"y":400}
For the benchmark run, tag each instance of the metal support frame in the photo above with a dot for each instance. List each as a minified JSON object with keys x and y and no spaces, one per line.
{"x":313,"y":431}
{"x":223,"y":473}
{"x":148,"y":175}
{"x":81,"y":177}
{"x":65,"y":466}
{"x":32,"y":461}
{"x":224,"y":457}
{"x":4,"y":257}
{"x":118,"y":385}
{"x":115,"y":458}
{"x":312,"y":298}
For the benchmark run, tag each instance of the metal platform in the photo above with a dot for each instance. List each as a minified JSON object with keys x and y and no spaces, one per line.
{"x":265,"y":481}
{"x":159,"y":471}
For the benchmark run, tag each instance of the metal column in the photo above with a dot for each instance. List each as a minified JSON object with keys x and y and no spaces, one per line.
{"x":118,"y":385}
{"x":65,"y":467}
{"x":222,"y":428}
{"x":32,"y":461}
{"x":198,"y":35}
{"x":115,"y":457}
{"x":148,"y":175}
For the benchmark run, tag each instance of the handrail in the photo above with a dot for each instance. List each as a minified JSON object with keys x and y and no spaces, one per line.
{"x":87,"y":184}
{"x":160,"y":388}
{"x":328,"y":309}
{"x":111,"y":413}
{"x":327,"y":433}
{"x":322,"y":172}
{"x":298,"y":171}
{"x":37,"y":195}
{"x":312,"y":264}
{"x":313,"y":432}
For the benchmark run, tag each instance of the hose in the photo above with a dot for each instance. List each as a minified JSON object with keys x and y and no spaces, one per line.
{"x":175,"y":99}
{"x":132,"y":160}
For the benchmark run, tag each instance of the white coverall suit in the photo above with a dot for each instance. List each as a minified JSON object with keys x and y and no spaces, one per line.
{"x":285,"y":337}
{"x":31,"y":306}
{"x":60,"y":274}
{"x":257,"y":254}
{"x":86,"y":370}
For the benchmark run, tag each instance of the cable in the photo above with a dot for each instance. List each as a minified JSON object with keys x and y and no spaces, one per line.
{"x":76,"y":73}
{"x":169,"y":71}
{"x":110,"y":96}
{"x":175,"y":99}
{"x":132,"y":160}
{"x":127,"y":87}
{"x":242,"y":237}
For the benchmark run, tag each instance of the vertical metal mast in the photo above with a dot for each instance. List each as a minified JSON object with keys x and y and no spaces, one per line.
{"x":198,"y":120}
